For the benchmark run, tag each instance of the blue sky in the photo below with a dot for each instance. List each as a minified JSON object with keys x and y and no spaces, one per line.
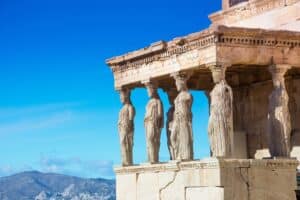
{"x":58,"y":107}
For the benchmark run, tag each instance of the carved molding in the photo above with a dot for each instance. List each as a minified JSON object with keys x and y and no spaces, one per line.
{"x":203,"y":42}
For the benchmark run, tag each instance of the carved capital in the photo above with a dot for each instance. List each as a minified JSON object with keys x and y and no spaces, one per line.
{"x":278,"y":72}
{"x":182,"y":75}
{"x":181,"y":79}
{"x":123,"y":88}
{"x":125,"y":95}
{"x":150,"y":83}
{"x":218,"y":73}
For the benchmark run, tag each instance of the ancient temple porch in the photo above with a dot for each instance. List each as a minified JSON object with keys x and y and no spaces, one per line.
{"x":251,"y":77}
{"x":247,"y":55}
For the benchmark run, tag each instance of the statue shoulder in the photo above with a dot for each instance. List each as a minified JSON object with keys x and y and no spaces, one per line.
{"x":186,"y":95}
{"x":131,"y":108}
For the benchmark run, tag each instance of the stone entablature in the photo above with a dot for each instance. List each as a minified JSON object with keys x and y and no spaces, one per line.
{"x":204,"y":49}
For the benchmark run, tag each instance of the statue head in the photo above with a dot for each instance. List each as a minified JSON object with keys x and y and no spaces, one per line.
{"x":151,"y":89}
{"x":125,"y":95}
{"x":218,"y":74}
{"x":180,"y":81}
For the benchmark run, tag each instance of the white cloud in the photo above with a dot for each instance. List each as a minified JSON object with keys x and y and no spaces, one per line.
{"x":77,"y":166}
{"x":36,"y":123}
{"x":43,"y":117}
{"x":30,"y":118}
{"x":9,"y":112}
{"x":69,"y":166}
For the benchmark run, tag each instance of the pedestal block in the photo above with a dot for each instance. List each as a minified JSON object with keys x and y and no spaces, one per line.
{"x":209,"y":179}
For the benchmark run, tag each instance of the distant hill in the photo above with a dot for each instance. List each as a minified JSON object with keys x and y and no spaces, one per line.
{"x":39,"y":186}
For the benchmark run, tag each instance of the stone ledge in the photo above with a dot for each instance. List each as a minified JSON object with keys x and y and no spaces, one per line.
{"x":211,"y":163}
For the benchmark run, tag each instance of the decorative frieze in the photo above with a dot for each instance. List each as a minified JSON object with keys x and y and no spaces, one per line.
{"x":136,"y":63}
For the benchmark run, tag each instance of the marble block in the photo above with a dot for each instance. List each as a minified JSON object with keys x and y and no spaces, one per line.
{"x":209,"y":179}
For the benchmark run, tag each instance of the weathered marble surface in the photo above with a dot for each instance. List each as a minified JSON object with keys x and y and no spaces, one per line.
{"x":228,"y":179}
{"x":266,"y":14}
{"x":279,"y":119}
{"x":153,"y":122}
{"x":126,"y":127}
{"x":181,"y":131}
{"x":220,"y":125}
{"x":172,"y":94}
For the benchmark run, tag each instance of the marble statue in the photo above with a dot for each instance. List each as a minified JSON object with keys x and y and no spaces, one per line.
{"x":153,"y":122}
{"x":172,"y":93}
{"x":181,"y":131}
{"x":126,"y":127}
{"x":220,"y":125}
{"x":279,"y":119}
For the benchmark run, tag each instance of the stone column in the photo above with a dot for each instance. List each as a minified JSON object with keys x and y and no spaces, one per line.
{"x":181,"y":130}
{"x":126,"y":127}
{"x":153,"y":122}
{"x":279,"y":120}
{"x":220,"y":126}
{"x":172,"y":94}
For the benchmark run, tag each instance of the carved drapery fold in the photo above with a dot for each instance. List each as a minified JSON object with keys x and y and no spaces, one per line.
{"x":153,"y":122}
{"x":181,"y":130}
{"x":279,"y":120}
{"x":172,"y":94}
{"x":220,"y":127}
{"x":126,"y":127}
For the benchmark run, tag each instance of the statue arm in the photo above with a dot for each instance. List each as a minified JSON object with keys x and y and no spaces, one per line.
{"x":131,"y":113}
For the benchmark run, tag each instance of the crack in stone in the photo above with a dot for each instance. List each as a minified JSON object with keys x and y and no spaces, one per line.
{"x":137,"y":176}
{"x":167,"y":185}
{"x":245,"y":180}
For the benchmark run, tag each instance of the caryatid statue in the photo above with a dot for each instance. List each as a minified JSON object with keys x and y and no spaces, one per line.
{"x":279,"y":119}
{"x":126,"y":127}
{"x":172,"y":94}
{"x":220,"y":125}
{"x":153,"y":122}
{"x":181,"y":131}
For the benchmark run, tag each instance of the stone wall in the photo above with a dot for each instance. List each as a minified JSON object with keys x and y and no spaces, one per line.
{"x":250,"y":119}
{"x":210,"y":179}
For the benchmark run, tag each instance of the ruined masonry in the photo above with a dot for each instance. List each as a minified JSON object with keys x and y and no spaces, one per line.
{"x":248,"y":64}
